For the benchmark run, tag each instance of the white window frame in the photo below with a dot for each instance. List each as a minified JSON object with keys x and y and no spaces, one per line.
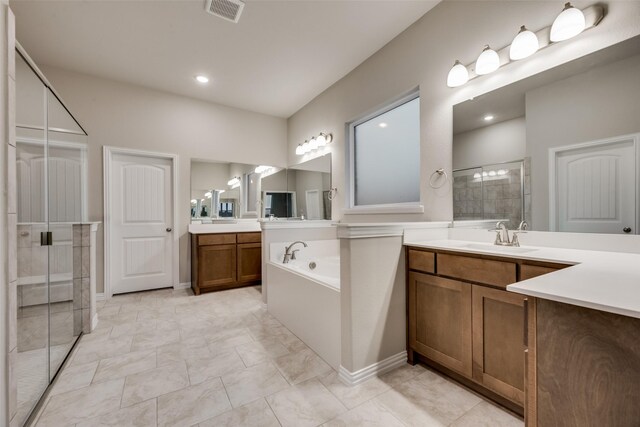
{"x":388,"y":208}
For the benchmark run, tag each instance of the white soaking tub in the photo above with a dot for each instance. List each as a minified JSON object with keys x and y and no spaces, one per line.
{"x":304,"y":294}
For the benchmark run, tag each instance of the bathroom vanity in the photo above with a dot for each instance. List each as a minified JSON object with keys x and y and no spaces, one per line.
{"x":225,"y":260}
{"x":462,"y":319}
{"x":549,"y":333}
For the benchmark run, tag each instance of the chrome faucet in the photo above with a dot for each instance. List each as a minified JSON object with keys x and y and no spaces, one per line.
{"x":289,"y":254}
{"x":502,"y":234}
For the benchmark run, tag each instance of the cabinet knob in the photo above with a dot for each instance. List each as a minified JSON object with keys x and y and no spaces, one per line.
{"x":627,"y":229}
{"x":169,"y":229}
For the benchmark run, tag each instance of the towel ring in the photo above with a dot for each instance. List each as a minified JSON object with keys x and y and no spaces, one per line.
{"x":438,"y":173}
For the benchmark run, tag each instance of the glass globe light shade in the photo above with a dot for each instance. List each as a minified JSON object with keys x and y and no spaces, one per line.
{"x":458,"y":75}
{"x":568,"y":24}
{"x":487,"y":62}
{"x":524,"y":44}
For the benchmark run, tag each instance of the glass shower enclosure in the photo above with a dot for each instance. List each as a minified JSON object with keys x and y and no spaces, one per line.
{"x":51,"y":151}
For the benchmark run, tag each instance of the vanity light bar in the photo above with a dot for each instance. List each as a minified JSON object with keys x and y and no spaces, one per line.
{"x":315,"y":143}
{"x":566,"y":25}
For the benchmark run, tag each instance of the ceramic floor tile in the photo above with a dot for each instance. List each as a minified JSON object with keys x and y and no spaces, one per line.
{"x":194,"y":348}
{"x":260,"y":351}
{"x":126,"y":364}
{"x":252,"y":383}
{"x":214,"y":366}
{"x":301,"y":366}
{"x":80,"y":405}
{"x":132,"y":328}
{"x":74,"y":377}
{"x":305,"y":405}
{"x":352,"y":396}
{"x":485,"y":414}
{"x":96,"y":350}
{"x":193,"y":404}
{"x":153,"y":339}
{"x":141,"y":415}
{"x":402,"y":374}
{"x":154,"y":382}
{"x":232,"y":341}
{"x":254,"y":414}
{"x":370,"y":414}
{"x":428,"y":400}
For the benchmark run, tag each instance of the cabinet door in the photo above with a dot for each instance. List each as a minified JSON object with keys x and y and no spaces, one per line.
{"x":249,"y":262}
{"x":498,"y":342}
{"x":216,"y":265}
{"x":440,"y":320}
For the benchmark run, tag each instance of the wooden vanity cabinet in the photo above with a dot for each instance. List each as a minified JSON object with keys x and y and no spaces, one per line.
{"x":225,"y":260}
{"x":462,"y":318}
{"x":440,"y":320}
{"x":498,"y":341}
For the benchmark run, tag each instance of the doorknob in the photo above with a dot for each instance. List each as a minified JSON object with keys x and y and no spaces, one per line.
{"x":169,"y":229}
{"x":627,"y":229}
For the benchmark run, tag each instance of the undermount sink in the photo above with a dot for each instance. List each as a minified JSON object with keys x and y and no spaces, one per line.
{"x":498,"y":248}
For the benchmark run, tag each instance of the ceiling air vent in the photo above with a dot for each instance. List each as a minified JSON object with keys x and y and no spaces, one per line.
{"x":225,"y":9}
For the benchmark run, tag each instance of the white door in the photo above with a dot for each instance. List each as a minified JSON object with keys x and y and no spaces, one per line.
{"x":313,"y":204}
{"x":596,"y":188}
{"x":141,"y":221}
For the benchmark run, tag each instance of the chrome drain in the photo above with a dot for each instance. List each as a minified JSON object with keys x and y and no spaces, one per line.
{"x":312,"y":265}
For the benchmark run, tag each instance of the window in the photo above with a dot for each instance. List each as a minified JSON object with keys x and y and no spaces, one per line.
{"x":385,"y":159}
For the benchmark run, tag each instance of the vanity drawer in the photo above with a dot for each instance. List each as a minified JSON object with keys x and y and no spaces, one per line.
{"x":422,"y":261}
{"x":486,"y":271}
{"x":249,"y":237}
{"x":216,"y":239}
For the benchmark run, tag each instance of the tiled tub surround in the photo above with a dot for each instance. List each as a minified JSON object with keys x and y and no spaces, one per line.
{"x":165,"y":358}
{"x":307,"y":300}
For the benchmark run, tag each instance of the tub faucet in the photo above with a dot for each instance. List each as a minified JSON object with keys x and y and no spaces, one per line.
{"x":288,"y":254}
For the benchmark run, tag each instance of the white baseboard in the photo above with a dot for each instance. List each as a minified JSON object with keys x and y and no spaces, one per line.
{"x":94,"y":322}
{"x":185,"y":285}
{"x":100,"y":296}
{"x":377,"y":369}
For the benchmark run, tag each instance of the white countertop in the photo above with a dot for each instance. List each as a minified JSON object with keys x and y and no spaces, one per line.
{"x":607,"y":281}
{"x":239,"y":227}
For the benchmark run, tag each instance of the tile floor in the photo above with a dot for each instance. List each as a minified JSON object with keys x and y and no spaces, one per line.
{"x":167,"y":358}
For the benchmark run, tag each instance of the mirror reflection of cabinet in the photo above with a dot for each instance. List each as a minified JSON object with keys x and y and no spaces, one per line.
{"x":576,"y":131}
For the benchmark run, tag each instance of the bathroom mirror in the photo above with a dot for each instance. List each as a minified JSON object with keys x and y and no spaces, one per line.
{"x":216,"y":190}
{"x":277,"y":200}
{"x":223,"y":191}
{"x":310,"y":183}
{"x":558,"y":149}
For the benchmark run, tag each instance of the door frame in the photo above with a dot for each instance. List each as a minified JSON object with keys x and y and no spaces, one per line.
{"x":553,"y":166}
{"x":107,"y":158}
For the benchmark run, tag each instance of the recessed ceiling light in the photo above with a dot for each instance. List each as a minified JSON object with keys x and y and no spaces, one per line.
{"x":488,"y":118}
{"x":383,"y":125}
{"x":202,"y":79}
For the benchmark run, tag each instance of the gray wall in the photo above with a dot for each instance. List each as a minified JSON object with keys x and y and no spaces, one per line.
{"x":499,"y":143}
{"x":601,"y":103}
{"x":123,"y":115}
{"x":422,"y":56}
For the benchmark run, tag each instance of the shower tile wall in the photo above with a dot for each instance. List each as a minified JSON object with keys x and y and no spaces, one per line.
{"x":498,"y":197}
{"x":467,"y":197}
{"x":502,"y":198}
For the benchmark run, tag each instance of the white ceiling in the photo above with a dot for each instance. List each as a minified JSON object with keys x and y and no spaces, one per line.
{"x":275,"y":60}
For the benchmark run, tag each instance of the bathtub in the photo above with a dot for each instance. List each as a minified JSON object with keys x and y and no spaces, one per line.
{"x":304,"y":295}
